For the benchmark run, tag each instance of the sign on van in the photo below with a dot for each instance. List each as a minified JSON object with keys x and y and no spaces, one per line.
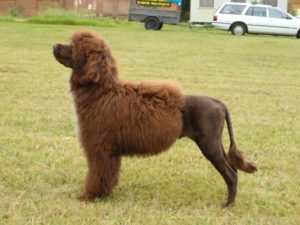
{"x":158,"y":3}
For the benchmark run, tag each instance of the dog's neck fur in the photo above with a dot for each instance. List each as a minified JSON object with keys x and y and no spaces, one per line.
{"x":102,"y":74}
{"x":89,"y":84}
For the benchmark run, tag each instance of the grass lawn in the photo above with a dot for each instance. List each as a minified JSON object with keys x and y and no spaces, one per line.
{"x":42,"y":167}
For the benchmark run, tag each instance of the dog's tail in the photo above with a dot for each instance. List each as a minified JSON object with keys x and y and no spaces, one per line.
{"x":234,"y":156}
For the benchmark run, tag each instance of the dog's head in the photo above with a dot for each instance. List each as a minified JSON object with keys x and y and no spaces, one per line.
{"x":89,"y":57}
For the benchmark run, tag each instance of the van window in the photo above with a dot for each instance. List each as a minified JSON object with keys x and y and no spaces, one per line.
{"x":257,"y":11}
{"x":233,"y":9}
{"x":207,"y":3}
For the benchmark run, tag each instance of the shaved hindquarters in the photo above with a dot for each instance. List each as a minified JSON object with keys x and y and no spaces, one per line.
{"x":203,"y":122}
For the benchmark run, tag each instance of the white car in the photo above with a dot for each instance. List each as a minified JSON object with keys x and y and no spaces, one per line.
{"x":241,"y":18}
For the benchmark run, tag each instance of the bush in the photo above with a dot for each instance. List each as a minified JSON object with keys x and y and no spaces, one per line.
{"x":57,"y":12}
{"x":55,"y":15}
{"x":15,"y":11}
{"x":291,"y":8}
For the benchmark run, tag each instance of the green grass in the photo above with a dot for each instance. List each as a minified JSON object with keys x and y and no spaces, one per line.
{"x":42,"y":167}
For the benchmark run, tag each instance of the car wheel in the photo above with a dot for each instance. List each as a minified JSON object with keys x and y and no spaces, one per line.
{"x":152,"y":23}
{"x":238,"y":29}
{"x":298,"y":34}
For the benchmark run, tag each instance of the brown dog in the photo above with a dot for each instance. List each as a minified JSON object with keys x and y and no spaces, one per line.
{"x":117,"y":119}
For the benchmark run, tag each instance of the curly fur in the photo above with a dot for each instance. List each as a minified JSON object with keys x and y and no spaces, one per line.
{"x":127,"y":119}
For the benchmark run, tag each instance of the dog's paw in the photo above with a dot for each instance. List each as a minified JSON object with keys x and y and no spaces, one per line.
{"x":86,"y":197}
{"x":227,"y":205}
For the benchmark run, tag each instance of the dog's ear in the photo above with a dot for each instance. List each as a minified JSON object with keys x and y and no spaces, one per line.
{"x":103,"y":69}
{"x":100,"y":66}
{"x":79,"y":59}
{"x":88,"y":70}
{"x":78,"y":42}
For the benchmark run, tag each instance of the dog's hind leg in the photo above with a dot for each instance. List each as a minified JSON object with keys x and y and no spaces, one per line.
{"x":213,"y":151}
{"x":203,"y":121}
{"x":102,"y":176}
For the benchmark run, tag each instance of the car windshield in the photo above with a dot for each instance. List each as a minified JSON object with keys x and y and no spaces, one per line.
{"x":233,"y":9}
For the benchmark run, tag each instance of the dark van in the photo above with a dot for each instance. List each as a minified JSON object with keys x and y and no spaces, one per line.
{"x":154,"y":13}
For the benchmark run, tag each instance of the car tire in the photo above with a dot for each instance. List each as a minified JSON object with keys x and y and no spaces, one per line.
{"x":298,"y":34}
{"x":238,"y":29}
{"x":152,"y":23}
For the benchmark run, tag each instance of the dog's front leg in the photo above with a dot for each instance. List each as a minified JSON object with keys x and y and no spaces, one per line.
{"x":102,"y":175}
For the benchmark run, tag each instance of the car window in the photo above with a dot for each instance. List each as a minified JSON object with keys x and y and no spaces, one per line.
{"x":233,"y":9}
{"x":256,"y":11}
{"x":275,"y":13}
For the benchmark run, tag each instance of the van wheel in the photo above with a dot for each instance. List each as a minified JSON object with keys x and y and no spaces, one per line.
{"x":298,"y":34}
{"x":238,"y":29}
{"x":152,"y":23}
{"x":160,"y":26}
